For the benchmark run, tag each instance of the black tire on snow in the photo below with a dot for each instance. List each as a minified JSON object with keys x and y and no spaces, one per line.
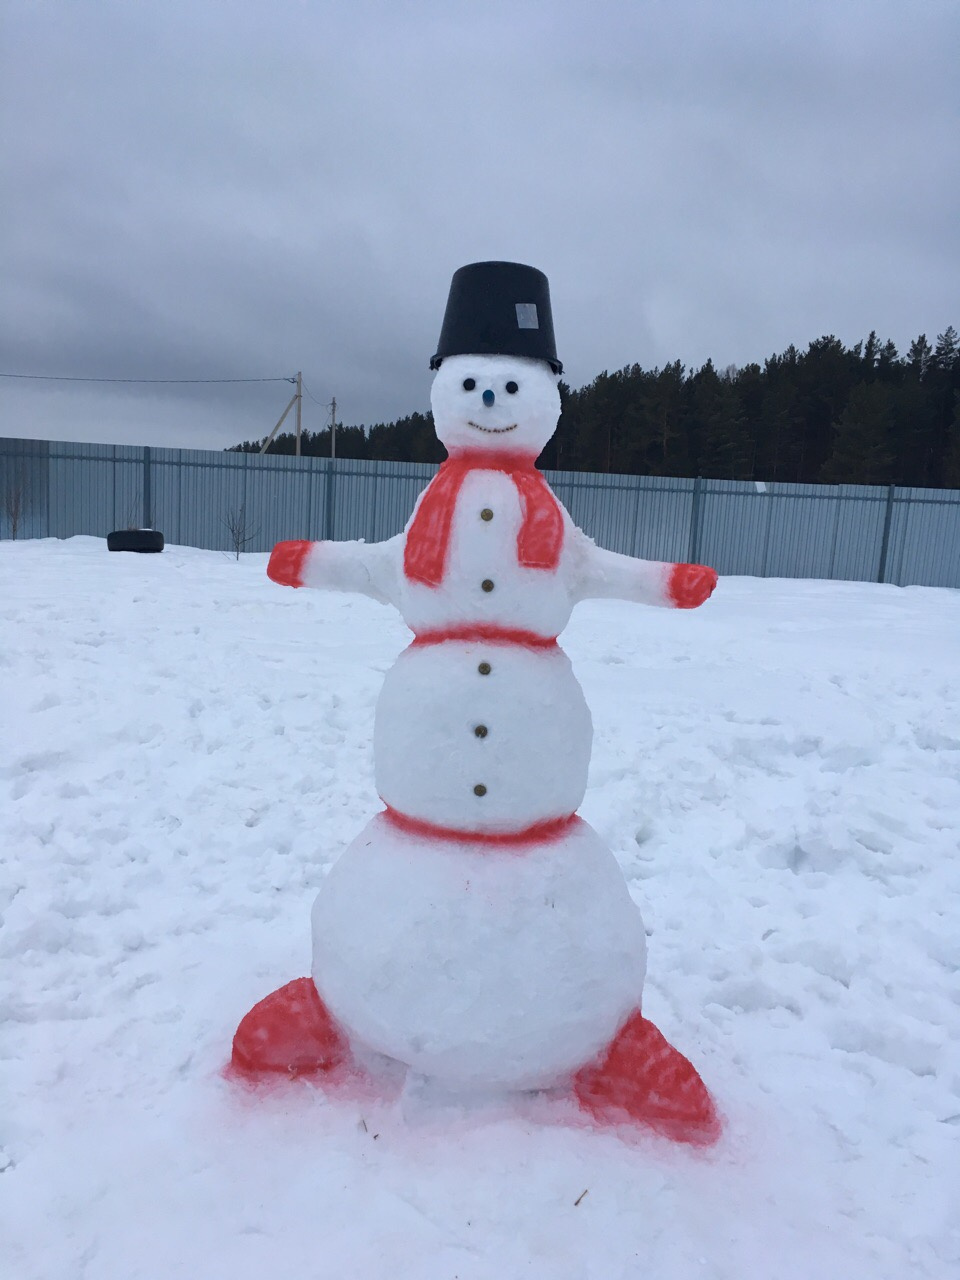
{"x":135,"y":540}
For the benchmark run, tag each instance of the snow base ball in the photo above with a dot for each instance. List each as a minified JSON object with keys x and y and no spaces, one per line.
{"x":477,"y":931}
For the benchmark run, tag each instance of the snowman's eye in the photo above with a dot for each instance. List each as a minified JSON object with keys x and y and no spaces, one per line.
{"x":512,"y":388}
{"x":469,"y":384}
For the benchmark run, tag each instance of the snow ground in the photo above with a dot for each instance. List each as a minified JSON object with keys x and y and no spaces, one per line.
{"x":187,"y":749}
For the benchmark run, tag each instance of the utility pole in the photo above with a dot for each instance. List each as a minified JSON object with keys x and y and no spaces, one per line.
{"x":331,"y":496}
{"x":294,"y":400}
{"x":299,"y":404}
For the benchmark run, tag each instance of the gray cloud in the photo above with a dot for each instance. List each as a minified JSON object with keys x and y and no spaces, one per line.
{"x":199,"y":189}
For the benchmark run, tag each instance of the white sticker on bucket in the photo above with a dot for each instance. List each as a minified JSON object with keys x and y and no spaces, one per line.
{"x":527,"y":315}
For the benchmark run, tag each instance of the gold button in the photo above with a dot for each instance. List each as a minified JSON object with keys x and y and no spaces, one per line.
{"x":487,"y":584}
{"x":479,"y":789}
{"x":486,"y":514}
{"x":484,"y":668}
{"x":481,"y":731}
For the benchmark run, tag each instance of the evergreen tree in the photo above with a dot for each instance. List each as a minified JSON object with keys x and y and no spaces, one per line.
{"x":860,"y":414}
{"x":868,"y":356}
{"x":948,"y":349}
{"x":826,"y":374}
{"x":944,"y":386}
{"x":951,"y":463}
{"x":666,"y":452}
{"x":888,"y":362}
{"x":862,"y":451}
{"x":723,"y":446}
{"x":919,"y":356}
{"x":557,"y":449}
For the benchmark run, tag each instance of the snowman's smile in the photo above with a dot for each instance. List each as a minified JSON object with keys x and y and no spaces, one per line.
{"x":493,"y":431}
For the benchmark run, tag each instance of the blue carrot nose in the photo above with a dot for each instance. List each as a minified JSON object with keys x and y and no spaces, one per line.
{"x":488,"y":398}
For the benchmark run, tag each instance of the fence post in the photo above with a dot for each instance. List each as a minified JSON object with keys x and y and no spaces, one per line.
{"x":885,"y":541}
{"x":695,"y":522}
{"x":147,"y":492}
{"x":632,"y":549}
{"x":311,"y":470}
{"x":331,"y":499}
{"x":372,"y":524}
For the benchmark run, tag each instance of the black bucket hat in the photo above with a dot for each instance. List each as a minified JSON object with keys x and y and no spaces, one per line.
{"x":498,"y":309}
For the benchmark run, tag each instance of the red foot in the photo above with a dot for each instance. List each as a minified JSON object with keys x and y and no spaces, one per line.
{"x":286,"y":562}
{"x":689,"y":585}
{"x":289,"y":1031}
{"x":641,"y":1078}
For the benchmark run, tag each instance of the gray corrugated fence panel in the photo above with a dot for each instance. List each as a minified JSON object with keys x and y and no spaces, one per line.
{"x":398,"y":485}
{"x":611,"y":502}
{"x":899,"y":529}
{"x":194,"y":492}
{"x":734,"y":517}
{"x":77,"y":492}
{"x":93,"y":488}
{"x":24,"y":480}
{"x":663,"y":518}
{"x":859,"y":533}
{"x":353,"y":489}
{"x":166,"y":491}
{"x":821,"y":531}
{"x":925,"y":538}
{"x":127,"y":482}
{"x":646,"y":516}
{"x":792,"y":530}
{"x":286,"y":498}
{"x":799,"y":530}
{"x":370,"y":500}
{"x":784,"y":530}
{"x":603,"y":506}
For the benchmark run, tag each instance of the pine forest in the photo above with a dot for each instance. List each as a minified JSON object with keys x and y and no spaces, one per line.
{"x":829,"y":415}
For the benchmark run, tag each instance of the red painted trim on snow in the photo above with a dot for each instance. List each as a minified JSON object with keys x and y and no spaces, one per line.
{"x":493,"y":459}
{"x":485,"y":631}
{"x":641,"y":1078}
{"x":690,"y":585}
{"x":291,"y":1032}
{"x":539,"y":541}
{"x":287,"y":562}
{"x":539,"y":833}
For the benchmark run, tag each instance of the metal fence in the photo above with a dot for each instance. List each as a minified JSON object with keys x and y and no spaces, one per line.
{"x":852,"y":532}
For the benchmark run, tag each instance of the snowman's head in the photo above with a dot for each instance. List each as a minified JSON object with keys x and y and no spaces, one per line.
{"x":504,"y":403}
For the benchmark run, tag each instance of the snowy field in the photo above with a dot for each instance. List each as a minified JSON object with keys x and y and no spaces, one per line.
{"x":186,"y":750}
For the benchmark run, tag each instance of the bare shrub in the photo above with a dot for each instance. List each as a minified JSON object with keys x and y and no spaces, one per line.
{"x":238,"y":528}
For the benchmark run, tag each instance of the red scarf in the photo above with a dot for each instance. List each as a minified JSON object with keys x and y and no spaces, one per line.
{"x":428,"y":538}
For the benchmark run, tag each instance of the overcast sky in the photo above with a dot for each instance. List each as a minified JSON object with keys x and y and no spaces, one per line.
{"x":194,"y":189}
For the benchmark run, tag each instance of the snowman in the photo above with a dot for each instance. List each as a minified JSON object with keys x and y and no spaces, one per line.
{"x":477,"y":931}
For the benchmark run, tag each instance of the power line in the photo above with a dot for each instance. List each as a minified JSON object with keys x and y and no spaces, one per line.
{"x":53,"y":377}
{"x":323,"y":404}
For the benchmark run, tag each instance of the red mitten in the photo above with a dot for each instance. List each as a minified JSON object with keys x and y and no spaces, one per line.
{"x":689,"y":585}
{"x":286,"y":562}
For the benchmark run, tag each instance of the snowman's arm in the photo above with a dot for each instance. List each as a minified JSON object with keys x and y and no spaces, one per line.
{"x":606,"y":575}
{"x":370,"y":569}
